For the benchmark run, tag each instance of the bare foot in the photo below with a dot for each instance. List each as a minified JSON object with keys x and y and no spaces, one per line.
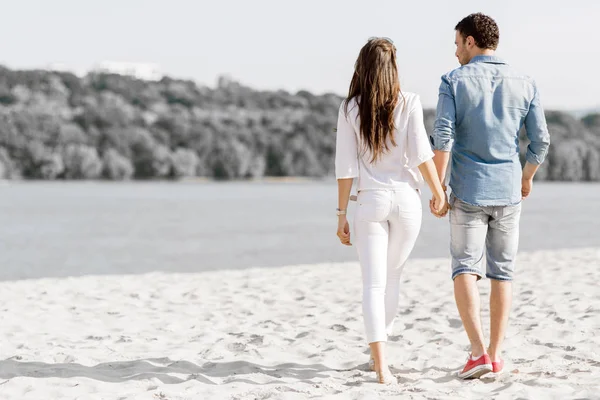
{"x":386,"y":377}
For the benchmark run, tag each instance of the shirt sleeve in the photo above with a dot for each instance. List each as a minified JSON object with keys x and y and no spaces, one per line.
{"x":444,"y":127}
{"x":418,"y":149}
{"x":346,"y":147}
{"x":537,"y":131}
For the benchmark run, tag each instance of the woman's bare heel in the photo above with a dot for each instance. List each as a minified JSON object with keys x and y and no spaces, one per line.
{"x":386,"y":377}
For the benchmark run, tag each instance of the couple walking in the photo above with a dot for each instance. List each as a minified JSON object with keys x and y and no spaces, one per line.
{"x":381,"y":141}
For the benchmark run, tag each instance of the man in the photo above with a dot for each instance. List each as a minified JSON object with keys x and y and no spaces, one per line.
{"x":482,"y":106}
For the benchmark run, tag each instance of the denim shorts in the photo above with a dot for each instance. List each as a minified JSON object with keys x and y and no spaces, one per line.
{"x":477,"y":229}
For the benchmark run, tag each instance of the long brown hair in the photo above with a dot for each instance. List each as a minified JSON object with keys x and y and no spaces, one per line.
{"x":376,"y":86}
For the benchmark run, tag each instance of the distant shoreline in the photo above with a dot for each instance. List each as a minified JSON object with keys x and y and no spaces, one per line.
{"x":274,"y":179}
{"x":199,"y":180}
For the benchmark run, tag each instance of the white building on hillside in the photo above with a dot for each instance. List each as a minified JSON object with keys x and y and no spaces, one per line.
{"x":148,"y":72}
{"x":60,"y":67}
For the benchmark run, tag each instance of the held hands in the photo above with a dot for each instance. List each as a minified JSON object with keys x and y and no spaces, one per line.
{"x":438,"y":205}
{"x":343,"y":230}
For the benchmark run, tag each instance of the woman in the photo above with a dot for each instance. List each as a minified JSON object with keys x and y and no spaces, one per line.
{"x":381,"y":140}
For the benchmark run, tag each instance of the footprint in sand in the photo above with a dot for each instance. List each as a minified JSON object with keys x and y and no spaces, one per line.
{"x":339,"y":328}
{"x":236,"y":347}
{"x":97,"y":338}
{"x":256,"y":340}
{"x":455,"y":323}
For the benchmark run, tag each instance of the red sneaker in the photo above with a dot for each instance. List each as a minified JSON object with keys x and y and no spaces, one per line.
{"x":497,"y":366}
{"x":476,"y":368}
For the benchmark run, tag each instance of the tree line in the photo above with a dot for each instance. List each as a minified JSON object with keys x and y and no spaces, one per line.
{"x":55,"y":125}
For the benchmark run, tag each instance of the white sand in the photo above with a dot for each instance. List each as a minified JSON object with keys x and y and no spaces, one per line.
{"x":292,"y":333}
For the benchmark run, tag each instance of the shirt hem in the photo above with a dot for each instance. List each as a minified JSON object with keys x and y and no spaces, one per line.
{"x":397,"y":186}
{"x":493,"y":204}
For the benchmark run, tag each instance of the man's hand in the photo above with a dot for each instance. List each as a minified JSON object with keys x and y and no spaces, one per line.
{"x":526,"y":185}
{"x":527,"y":181}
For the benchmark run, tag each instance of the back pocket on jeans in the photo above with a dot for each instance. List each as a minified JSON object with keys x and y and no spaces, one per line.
{"x":373,"y":205}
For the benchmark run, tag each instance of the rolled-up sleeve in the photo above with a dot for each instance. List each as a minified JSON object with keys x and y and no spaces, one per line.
{"x":537,"y":131}
{"x":346,"y":148}
{"x":445,"y":119}
{"x":418,"y":149}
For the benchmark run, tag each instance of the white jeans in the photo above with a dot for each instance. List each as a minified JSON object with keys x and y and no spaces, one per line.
{"x":386,"y":224}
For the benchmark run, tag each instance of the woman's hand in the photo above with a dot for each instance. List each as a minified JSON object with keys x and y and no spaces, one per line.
{"x":343,"y":230}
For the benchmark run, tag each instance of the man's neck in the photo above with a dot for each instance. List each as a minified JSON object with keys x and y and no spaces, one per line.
{"x":485,"y":52}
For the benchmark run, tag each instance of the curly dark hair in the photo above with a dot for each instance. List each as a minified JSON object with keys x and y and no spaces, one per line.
{"x":483,"y":29}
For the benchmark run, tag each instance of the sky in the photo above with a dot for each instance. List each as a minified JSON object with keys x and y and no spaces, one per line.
{"x":309,"y":44}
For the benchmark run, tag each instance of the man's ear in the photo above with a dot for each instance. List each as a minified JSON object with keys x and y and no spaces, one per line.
{"x":470,"y":41}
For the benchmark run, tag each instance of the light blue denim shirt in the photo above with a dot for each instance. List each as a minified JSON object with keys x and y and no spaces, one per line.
{"x":481,"y":108}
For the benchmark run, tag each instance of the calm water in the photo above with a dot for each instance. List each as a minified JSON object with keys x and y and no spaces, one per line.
{"x":63,"y":229}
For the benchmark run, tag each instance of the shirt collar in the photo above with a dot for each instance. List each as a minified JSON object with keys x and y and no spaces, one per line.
{"x":487,"y":59}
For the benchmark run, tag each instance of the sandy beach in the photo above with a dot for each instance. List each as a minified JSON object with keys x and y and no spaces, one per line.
{"x":293,"y":332}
